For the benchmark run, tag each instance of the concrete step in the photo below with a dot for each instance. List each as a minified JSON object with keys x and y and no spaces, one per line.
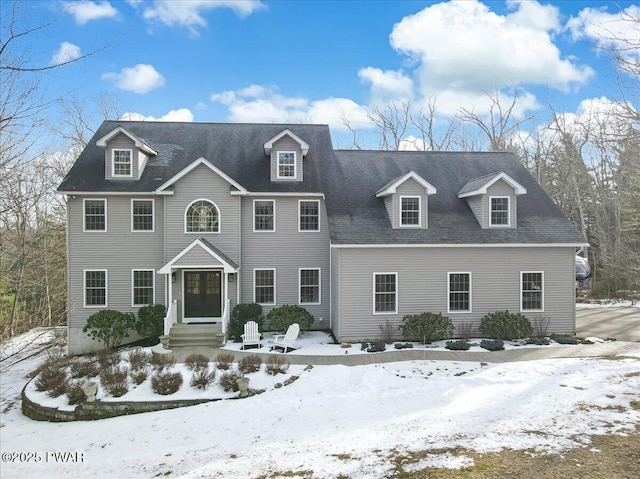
{"x":195,"y":335}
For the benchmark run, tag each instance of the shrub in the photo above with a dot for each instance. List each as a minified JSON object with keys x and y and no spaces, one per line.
{"x":276,"y":365}
{"x":281,"y":318}
{"x":426,"y":327}
{"x":465,"y":330}
{"x":53,"y":380}
{"x":492,"y":344}
{"x":165,"y":382}
{"x":107,"y":358}
{"x":202,"y":378}
{"x":55,"y":358}
{"x":114,"y":380}
{"x":84,"y":368}
{"x":242,"y":314}
{"x":150,"y":321}
{"x":74,"y":392}
{"x":138,"y":376}
{"x":250,"y":364}
{"x":564,"y":339}
{"x":540,"y":326}
{"x":109,"y":327}
{"x":161,"y":362}
{"x":505,"y":325}
{"x":386,"y":330}
{"x":224,"y":360}
{"x":196,"y":361}
{"x":228,"y":381}
{"x":139,"y":359}
{"x":460,"y":345}
{"x":539,"y":341}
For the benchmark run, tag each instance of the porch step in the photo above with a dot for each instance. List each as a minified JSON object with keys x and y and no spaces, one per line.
{"x":191,"y":335}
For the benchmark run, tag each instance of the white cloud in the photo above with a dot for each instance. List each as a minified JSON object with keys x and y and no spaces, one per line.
{"x":182,"y":114}
{"x":387,"y":85}
{"x":189,"y":13}
{"x":139,"y":79}
{"x":84,"y":11}
{"x":66,"y":53}
{"x":464,"y":47}
{"x":618,"y":30}
{"x":411,"y":143}
{"x":260,"y":104}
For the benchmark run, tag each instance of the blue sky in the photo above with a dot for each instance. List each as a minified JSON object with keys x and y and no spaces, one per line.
{"x":315,"y":61}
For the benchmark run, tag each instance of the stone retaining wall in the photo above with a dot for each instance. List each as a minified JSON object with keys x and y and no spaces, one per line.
{"x":100,"y":409}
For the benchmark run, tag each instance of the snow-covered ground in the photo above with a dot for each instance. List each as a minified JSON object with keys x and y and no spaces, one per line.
{"x":335,"y":420}
{"x":608,"y":303}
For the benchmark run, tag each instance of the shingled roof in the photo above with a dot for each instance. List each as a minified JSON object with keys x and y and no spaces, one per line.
{"x":348,"y":178}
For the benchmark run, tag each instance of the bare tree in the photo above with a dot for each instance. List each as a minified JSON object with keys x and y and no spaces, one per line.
{"x":432,"y":136}
{"x":391,"y":123}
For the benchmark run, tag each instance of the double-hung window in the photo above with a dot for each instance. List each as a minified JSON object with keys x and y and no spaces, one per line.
{"x":532,"y":291}
{"x":499,"y":210}
{"x":95,"y":215}
{"x":410,"y":211}
{"x":385,"y":294}
{"x":264,"y":286}
{"x":310,"y":286}
{"x":459,"y":289}
{"x":286,"y":164}
{"x":142,"y":290}
{"x":121,"y":163}
{"x":142,"y":215}
{"x":95,"y":288}
{"x":264,"y":215}
{"x":309,"y":215}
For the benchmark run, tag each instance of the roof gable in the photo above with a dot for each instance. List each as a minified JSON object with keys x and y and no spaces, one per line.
{"x":304,"y":146}
{"x":392,"y":186}
{"x":222,"y":260}
{"x":165,"y":187}
{"x":102,"y":142}
{"x":479,"y":186}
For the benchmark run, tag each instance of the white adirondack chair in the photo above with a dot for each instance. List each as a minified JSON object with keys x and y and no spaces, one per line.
{"x":251,"y":336}
{"x":287,"y":341}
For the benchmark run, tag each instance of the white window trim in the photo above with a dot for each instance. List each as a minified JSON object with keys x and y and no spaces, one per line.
{"x":508,"y":225}
{"x":133,"y":271}
{"x":382,"y":313}
{"x":295,"y":166}
{"x":419,"y":225}
{"x":153,"y":216}
{"x":84,"y":215}
{"x":300,"y":285}
{"x":253,"y":218}
{"x":113,"y":163}
{"x":300,"y":216}
{"x":457,"y":311}
{"x":274,"y":286}
{"x":184,"y":217}
{"x":106,"y":290}
{"x":541,"y":293}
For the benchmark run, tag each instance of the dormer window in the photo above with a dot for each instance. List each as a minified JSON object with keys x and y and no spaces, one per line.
{"x":499,"y":210}
{"x":286,"y":164}
{"x":121,"y":163}
{"x":410,"y":211}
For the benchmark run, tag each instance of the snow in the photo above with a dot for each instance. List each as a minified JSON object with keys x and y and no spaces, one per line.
{"x":338,"y":420}
{"x":608,"y":303}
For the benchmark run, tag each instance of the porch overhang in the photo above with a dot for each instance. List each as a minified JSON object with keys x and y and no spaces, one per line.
{"x":214,"y":259}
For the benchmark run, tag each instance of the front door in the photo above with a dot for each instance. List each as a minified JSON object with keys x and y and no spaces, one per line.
{"x":202,"y":294}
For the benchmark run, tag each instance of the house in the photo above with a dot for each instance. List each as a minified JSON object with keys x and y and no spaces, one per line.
{"x":203,"y":216}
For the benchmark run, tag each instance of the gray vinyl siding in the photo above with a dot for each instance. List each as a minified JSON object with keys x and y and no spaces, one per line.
{"x":197,"y":256}
{"x":336,"y":287}
{"x":202,"y":183}
{"x":286,"y":250}
{"x":422,"y":284}
{"x":118,"y":251}
{"x":286,"y":143}
{"x":123,"y":142}
{"x":478,"y":205}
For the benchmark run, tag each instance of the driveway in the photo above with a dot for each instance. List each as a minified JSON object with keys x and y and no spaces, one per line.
{"x":620,"y":323}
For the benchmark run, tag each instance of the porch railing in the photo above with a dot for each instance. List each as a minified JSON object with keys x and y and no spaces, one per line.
{"x":172,"y":316}
{"x":225,"y":317}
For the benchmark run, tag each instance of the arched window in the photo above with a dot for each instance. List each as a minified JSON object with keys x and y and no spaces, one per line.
{"x":202,"y":217}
